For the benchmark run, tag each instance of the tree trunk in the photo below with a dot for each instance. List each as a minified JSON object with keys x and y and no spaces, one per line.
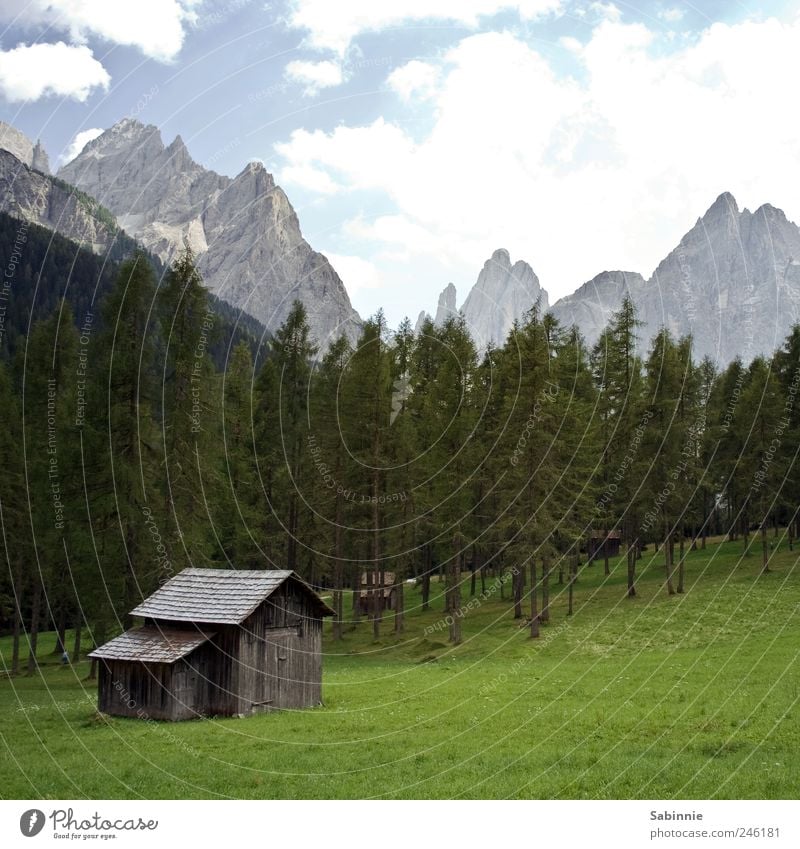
{"x":356,"y":607}
{"x":34,"y":632}
{"x":399,"y":608}
{"x":764,"y":548}
{"x":338,"y":573}
{"x":682,"y":556}
{"x":17,"y":626}
{"x":15,"y":640}
{"x":545,"y":589}
{"x":606,"y":569}
{"x":519,"y":586}
{"x":573,"y":570}
{"x":534,"y":611}
{"x":61,"y":634}
{"x":631,"y":559}
{"x":668,"y":562}
{"x":76,"y":651}
{"x":426,"y":579}
{"x":377,"y":613}
{"x":455,"y":595}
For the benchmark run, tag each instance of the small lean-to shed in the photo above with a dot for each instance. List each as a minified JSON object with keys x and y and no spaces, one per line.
{"x":371,"y":584}
{"x":217,"y":642}
{"x":603,"y":543}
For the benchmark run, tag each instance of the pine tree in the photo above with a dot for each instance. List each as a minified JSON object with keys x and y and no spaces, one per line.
{"x":365,"y":421}
{"x":188,"y":401}
{"x":662,"y":444}
{"x":617,"y":374}
{"x":330,"y":460}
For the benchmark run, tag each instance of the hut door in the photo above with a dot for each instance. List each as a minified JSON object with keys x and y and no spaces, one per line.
{"x":281,"y":645}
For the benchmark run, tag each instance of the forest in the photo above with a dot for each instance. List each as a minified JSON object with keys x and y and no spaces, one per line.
{"x":150,"y":435}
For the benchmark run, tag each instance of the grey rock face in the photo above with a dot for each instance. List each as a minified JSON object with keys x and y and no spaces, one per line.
{"x":38,"y":198}
{"x":446,"y":307}
{"x":733,"y":282}
{"x":502,"y":294}
{"x":39,"y":158}
{"x":244,"y":231}
{"x":12,"y":140}
{"x":421,"y":319}
{"x":592,"y":306}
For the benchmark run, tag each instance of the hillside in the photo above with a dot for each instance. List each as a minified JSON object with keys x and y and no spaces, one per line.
{"x":53,"y":267}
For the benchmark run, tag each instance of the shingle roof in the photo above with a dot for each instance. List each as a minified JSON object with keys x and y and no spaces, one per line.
{"x":217,"y":596}
{"x":152,"y":645}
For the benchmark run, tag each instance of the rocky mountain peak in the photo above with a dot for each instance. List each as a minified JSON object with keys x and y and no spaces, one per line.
{"x":40,"y":161}
{"x":244,"y":231}
{"x":502,"y":294}
{"x":421,"y":319}
{"x":16,"y":143}
{"x":724,"y":207}
{"x":501,"y":257}
{"x":446,"y":308}
{"x":733,"y":283}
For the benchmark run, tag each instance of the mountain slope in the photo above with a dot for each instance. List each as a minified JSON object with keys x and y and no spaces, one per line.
{"x":52,"y":267}
{"x":592,"y":306}
{"x":244,"y":230}
{"x":502,"y":294}
{"x":45,"y":200}
{"x":733,"y":282}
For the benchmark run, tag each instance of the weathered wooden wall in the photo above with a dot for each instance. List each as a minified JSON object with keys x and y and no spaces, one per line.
{"x":280,"y":662}
{"x":272,"y":661}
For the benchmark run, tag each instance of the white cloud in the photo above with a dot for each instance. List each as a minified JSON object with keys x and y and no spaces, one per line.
{"x":607,"y":11}
{"x":314,"y":75}
{"x":78,"y":143}
{"x":671,"y":16}
{"x":570,"y":43}
{"x":156,"y":27}
{"x":351,"y":151}
{"x":332,"y":26}
{"x":414,"y":80}
{"x":29,"y":72}
{"x":356,"y":273}
{"x":572,"y":175}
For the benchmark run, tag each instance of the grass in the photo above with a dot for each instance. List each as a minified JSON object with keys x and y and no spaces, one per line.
{"x":689,"y":696}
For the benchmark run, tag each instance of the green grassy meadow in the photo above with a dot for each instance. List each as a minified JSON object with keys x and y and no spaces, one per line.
{"x":690,"y":696}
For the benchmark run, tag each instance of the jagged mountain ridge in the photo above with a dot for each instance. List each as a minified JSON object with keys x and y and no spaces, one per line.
{"x":244,"y":230}
{"x":42,"y":199}
{"x":502,"y":294}
{"x":16,"y":142}
{"x":733,"y":282}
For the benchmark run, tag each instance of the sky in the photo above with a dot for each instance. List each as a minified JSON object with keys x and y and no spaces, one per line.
{"x":415,"y":137}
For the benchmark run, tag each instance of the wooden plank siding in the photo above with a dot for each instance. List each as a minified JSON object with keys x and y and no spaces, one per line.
{"x":272,"y":660}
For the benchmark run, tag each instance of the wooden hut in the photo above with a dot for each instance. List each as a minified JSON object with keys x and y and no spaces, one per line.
{"x":603,"y":543}
{"x":369,"y":584}
{"x":217,"y":643}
